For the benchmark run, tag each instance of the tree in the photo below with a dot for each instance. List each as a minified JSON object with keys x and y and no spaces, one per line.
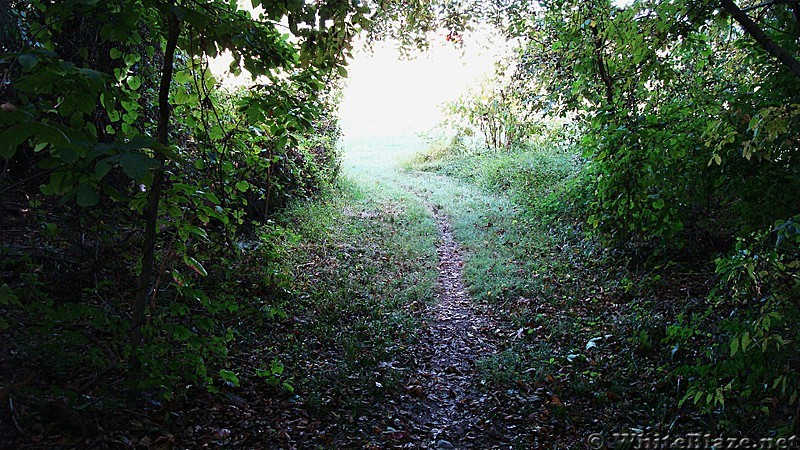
{"x":495,"y":114}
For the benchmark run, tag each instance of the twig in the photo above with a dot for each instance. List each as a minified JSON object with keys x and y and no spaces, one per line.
{"x":6,"y":391}
{"x":25,"y":180}
{"x":110,"y":357}
{"x":14,"y":417}
{"x":158,"y":279}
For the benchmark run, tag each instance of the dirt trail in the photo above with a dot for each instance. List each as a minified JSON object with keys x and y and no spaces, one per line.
{"x":452,"y":411}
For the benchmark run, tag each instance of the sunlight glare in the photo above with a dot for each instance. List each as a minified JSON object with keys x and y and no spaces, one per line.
{"x":388,"y":95}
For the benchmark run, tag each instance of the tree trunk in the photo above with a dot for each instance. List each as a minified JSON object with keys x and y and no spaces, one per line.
{"x":154,"y":196}
{"x":602,"y":68}
{"x":758,"y":34}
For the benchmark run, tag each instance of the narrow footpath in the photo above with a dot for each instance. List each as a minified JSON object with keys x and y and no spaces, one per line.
{"x":451,"y":410}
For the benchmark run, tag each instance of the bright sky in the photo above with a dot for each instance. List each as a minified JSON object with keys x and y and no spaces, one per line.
{"x":387,"y":95}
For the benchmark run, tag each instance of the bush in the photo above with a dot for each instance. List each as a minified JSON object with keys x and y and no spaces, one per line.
{"x":754,"y":352}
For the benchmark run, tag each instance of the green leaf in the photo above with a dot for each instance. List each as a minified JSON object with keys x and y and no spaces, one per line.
{"x":28,"y":61}
{"x":754,"y":122}
{"x":48,"y":133}
{"x":734,"y":345}
{"x":87,"y":196}
{"x":229,"y":377}
{"x":197,"y":231}
{"x":192,"y":16}
{"x":195,"y":265}
{"x":67,"y":154}
{"x":745,"y":341}
{"x":277,"y":367}
{"x":242,"y":185}
{"x":7,"y":296}
{"x":178,"y":278}
{"x":132,"y":58}
{"x":179,"y":332}
{"x":115,"y":53}
{"x":11,"y":139}
{"x":92,"y":74}
{"x":134,"y":165}
{"x":102,"y":167}
{"x":134,"y":83}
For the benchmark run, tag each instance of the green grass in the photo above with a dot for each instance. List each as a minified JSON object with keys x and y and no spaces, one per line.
{"x":547,"y":180}
{"x":362,"y":267}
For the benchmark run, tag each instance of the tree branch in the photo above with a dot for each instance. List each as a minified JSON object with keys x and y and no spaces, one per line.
{"x":765,"y":4}
{"x":111,"y":358}
{"x":154,"y":196}
{"x":758,"y":34}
